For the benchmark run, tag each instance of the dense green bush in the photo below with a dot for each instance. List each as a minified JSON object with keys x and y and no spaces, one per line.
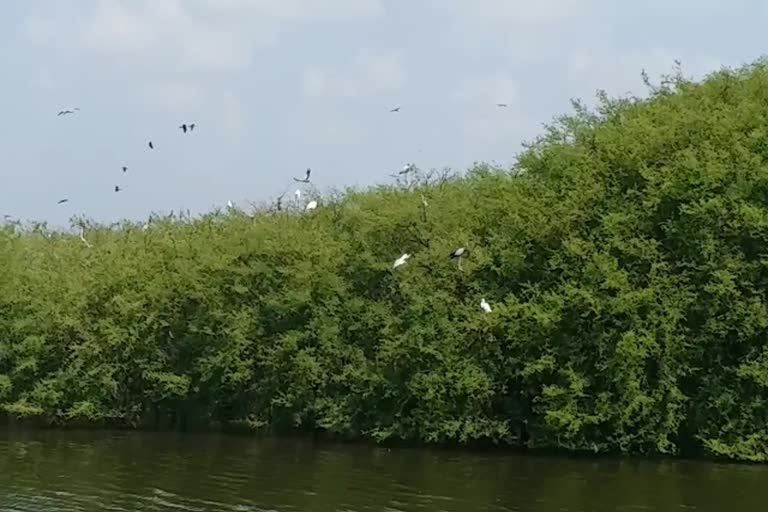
{"x":625,"y":257}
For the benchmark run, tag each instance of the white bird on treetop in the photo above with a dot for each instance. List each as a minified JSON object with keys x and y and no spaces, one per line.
{"x":312,"y":205}
{"x":486,"y":307}
{"x":401,"y":260}
{"x":297,"y":193}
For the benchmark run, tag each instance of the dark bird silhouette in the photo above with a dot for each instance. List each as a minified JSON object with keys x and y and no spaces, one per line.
{"x":183,"y":128}
{"x":117,"y":188}
{"x":67,"y":112}
{"x":503,"y":105}
{"x":151,"y":146}
{"x":280,"y":203}
{"x":192,"y":127}
{"x":125,"y":169}
{"x":62,"y":201}
{"x":306,"y":178}
{"x":396,"y":109}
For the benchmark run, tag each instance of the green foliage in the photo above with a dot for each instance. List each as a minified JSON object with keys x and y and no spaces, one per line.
{"x":625,"y":257}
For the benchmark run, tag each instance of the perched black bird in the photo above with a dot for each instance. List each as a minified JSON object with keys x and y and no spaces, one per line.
{"x":183,"y":128}
{"x":306,"y":178}
{"x":280,"y":203}
{"x":151,"y":146}
{"x":458,"y":253}
{"x":62,"y":201}
{"x":117,"y":188}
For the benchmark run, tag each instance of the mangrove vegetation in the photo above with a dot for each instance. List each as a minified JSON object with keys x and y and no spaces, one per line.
{"x":624,"y":255}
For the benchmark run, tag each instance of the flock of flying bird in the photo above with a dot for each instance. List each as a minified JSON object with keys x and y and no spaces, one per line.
{"x":311,"y":205}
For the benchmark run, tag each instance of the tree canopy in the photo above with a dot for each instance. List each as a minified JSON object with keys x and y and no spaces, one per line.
{"x":625,"y":256}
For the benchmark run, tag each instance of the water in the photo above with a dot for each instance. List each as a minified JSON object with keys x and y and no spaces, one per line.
{"x":55,"y":471}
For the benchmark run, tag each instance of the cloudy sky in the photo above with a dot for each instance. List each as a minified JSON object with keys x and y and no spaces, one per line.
{"x":276,"y":86}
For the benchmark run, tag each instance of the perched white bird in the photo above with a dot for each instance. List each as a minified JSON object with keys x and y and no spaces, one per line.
{"x":401,"y":260}
{"x":297,"y":194}
{"x":312,"y":205}
{"x":230,"y":205}
{"x":82,"y":237}
{"x":486,"y":307}
{"x":458,"y":253}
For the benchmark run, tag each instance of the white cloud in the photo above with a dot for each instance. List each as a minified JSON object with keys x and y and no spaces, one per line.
{"x":518,"y":12}
{"x":367,"y":74}
{"x":192,"y":35}
{"x":312,"y":10}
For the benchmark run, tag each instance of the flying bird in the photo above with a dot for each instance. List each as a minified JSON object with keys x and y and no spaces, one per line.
{"x":502,"y":105}
{"x":401,"y":260}
{"x":125,"y":169}
{"x":305,"y":179}
{"x":407,"y":168}
{"x":312,"y":205}
{"x":191,"y":126}
{"x":62,"y":201}
{"x":396,"y":109}
{"x":67,"y":112}
{"x":485,"y":306}
{"x":117,"y":188}
{"x":151,"y":146}
{"x":183,"y":128}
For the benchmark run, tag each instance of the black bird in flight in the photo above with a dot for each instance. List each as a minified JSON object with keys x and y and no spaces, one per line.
{"x":62,"y":201}
{"x":117,"y":188}
{"x":396,"y":109}
{"x":151,"y":146}
{"x":191,"y":126}
{"x":66,"y":112}
{"x":183,"y":128}
{"x":306,"y":179}
{"x":125,"y":169}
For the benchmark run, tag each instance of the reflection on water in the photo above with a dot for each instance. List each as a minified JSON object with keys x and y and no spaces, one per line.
{"x":62,"y":471}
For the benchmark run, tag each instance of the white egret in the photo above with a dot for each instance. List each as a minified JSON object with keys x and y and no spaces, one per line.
{"x":312,"y":205}
{"x":486,"y":307}
{"x":401,"y":260}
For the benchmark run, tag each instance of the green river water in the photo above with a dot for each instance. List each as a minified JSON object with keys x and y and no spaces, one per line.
{"x":44,"y":471}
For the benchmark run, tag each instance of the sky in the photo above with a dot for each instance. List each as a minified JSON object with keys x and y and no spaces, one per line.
{"x":277,"y":86}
